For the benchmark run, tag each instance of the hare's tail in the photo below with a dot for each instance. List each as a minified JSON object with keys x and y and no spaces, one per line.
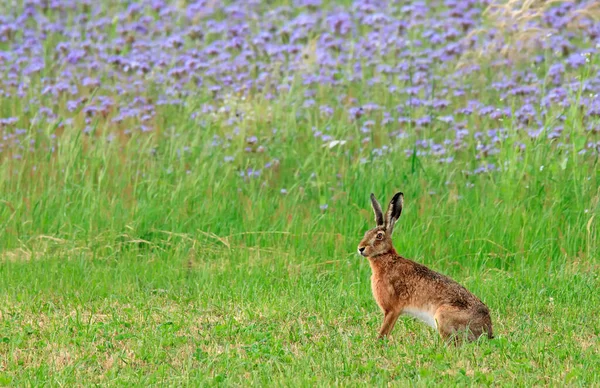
{"x":490,"y":332}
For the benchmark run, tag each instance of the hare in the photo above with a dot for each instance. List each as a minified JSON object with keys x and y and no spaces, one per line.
{"x":402,"y":286}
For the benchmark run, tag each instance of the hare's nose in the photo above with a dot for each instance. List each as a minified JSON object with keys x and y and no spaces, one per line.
{"x":361,"y":250}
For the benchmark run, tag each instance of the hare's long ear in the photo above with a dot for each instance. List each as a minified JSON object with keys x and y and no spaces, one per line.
{"x":377,"y":210}
{"x":393,"y":212}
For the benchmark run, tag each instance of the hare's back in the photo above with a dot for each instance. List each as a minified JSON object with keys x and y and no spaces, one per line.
{"x":440,"y":289}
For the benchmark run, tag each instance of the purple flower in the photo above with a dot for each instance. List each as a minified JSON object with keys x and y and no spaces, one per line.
{"x":423,"y":121}
{"x":8,"y":121}
{"x":355,"y":112}
{"x":576,"y":60}
{"x":308,"y":103}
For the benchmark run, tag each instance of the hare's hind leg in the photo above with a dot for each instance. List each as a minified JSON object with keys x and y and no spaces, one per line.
{"x":453,"y":324}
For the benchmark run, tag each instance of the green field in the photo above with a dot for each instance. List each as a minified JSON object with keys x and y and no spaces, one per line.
{"x":146,"y":258}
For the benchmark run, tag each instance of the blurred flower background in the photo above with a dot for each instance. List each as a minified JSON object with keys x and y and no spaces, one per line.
{"x":468,"y":84}
{"x":446,"y":74}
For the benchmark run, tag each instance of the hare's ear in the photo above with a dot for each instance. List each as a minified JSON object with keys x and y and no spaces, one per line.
{"x":377,"y":210}
{"x":393,"y":212}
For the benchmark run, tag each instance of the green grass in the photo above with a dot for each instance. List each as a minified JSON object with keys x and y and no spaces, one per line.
{"x":140,"y":261}
{"x":111,"y":277}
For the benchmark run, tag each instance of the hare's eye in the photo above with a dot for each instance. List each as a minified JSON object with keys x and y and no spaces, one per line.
{"x":379,"y":236}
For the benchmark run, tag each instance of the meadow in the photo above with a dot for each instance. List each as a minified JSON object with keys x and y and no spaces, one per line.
{"x":183,"y":185}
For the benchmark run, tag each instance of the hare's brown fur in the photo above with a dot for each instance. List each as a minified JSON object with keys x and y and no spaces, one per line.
{"x":402,"y":286}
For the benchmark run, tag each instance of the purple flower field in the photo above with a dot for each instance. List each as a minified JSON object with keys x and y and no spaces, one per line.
{"x":450,"y":76}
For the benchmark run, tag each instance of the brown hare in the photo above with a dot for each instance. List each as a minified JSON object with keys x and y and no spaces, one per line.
{"x":401,"y":286}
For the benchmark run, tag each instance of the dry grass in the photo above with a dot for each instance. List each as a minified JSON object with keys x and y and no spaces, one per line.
{"x":520,"y":30}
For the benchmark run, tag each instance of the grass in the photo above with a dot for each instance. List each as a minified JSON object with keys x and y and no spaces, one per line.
{"x":148,"y":260}
{"x":182,"y":277}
